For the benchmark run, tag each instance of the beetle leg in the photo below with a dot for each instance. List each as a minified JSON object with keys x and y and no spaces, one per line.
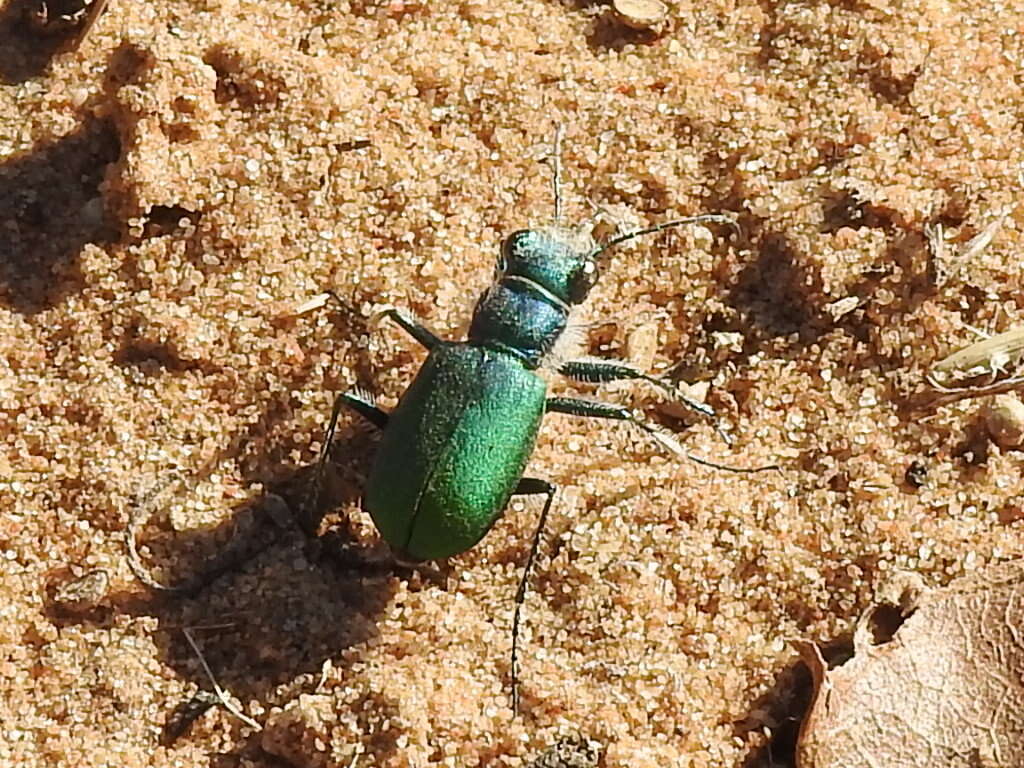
{"x":410,"y":325}
{"x":528,"y":486}
{"x":601,"y":371}
{"x":598,"y":410}
{"x":359,"y":401}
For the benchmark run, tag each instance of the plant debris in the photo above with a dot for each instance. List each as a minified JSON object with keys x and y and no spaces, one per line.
{"x":937,"y":679}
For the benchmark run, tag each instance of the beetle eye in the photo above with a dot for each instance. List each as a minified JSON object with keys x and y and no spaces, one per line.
{"x":583,"y":281}
{"x":514,"y":246}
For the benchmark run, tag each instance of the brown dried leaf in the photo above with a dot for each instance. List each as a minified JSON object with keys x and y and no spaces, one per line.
{"x":945,"y":689}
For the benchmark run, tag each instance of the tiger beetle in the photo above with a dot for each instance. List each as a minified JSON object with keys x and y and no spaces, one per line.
{"x":453,"y":451}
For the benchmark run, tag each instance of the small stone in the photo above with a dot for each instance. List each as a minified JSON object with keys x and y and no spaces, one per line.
{"x":84,"y":593}
{"x":1004,"y":417}
{"x":641,"y":14}
{"x":642,"y":346}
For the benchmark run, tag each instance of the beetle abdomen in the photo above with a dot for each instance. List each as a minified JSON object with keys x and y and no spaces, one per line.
{"x":454,"y":450}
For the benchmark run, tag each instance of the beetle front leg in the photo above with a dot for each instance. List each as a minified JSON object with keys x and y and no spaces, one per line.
{"x":601,"y":371}
{"x":410,"y":325}
{"x":406,"y":321}
{"x":528,"y":486}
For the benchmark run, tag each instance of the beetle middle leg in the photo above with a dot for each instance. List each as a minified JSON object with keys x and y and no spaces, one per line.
{"x":403,"y":319}
{"x":597,"y":410}
{"x":359,"y":401}
{"x":528,"y":486}
{"x":410,"y":325}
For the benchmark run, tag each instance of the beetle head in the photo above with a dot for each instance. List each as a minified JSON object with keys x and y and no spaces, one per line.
{"x":559,"y":260}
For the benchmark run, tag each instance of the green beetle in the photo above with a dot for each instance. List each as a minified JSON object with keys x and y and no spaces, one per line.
{"x":454,"y":450}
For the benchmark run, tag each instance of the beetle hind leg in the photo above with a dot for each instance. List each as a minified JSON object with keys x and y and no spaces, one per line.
{"x":528,"y":486}
{"x":359,"y":401}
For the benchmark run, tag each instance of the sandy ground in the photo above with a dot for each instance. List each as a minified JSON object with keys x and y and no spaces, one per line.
{"x":174,"y":187}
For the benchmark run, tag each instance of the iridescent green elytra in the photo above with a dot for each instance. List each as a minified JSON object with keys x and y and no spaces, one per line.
{"x":454,"y":450}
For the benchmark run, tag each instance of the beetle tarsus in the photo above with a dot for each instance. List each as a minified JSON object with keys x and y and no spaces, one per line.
{"x":594,"y":409}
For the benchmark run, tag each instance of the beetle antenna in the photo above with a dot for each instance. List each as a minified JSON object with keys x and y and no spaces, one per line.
{"x":556,"y":175}
{"x":587,"y":226}
{"x":716,"y":218}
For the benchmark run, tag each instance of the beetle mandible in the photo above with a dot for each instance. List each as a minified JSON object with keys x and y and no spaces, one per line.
{"x":454,"y":450}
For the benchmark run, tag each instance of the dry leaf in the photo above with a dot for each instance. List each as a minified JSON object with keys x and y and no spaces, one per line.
{"x":945,"y":689}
